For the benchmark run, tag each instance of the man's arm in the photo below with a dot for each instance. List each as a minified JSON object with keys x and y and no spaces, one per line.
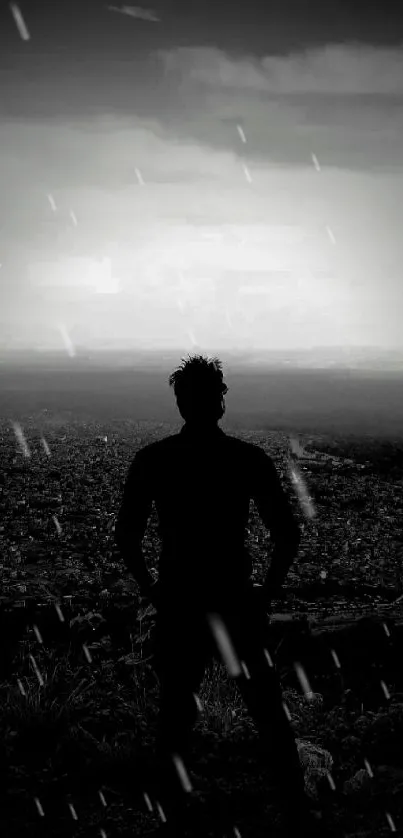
{"x":277,"y":515}
{"x":132,"y":521}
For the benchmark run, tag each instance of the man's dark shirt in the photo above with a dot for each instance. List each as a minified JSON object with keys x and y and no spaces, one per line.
{"x":202,"y":484}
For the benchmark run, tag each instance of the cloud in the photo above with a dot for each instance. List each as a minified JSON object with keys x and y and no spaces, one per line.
{"x":136,"y":12}
{"x":191,"y":158}
{"x":333,"y":69}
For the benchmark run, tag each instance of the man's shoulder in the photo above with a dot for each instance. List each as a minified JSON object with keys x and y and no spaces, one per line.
{"x":249,"y":449}
{"x":245,"y":445}
{"x":152,"y":449}
{"x":174,"y":442}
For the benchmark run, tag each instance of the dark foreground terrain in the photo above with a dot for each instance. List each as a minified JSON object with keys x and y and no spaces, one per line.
{"x":78,"y":692}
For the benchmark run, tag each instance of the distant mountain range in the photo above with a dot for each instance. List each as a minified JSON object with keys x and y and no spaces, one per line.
{"x":320,"y":358}
{"x":356,"y":357}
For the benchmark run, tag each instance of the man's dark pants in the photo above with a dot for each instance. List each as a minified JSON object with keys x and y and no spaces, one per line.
{"x":184,"y":646}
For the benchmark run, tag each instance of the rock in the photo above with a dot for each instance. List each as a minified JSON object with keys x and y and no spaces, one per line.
{"x":357,"y":782}
{"x":351,"y":743}
{"x":316,"y":762}
{"x":313,"y":700}
{"x":389,"y":779}
{"x":303,"y":704}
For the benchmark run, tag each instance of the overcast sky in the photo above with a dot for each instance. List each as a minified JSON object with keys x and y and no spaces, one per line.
{"x":176,"y":181}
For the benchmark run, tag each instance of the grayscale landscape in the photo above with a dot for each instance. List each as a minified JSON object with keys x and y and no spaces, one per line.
{"x":79,"y":696}
{"x":199,"y":177}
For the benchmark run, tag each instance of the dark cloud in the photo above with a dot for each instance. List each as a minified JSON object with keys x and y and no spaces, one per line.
{"x":333,"y":69}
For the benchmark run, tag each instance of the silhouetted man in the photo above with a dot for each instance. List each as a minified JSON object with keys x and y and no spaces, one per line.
{"x":202,"y":481}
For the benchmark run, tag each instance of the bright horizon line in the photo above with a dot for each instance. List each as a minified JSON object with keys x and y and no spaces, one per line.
{"x":205,"y":349}
{"x":333,"y":354}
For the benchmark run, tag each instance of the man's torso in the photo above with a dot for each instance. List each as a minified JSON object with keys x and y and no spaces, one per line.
{"x":202,"y":490}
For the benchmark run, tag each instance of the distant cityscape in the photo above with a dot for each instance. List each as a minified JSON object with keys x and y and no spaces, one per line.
{"x":320,"y":357}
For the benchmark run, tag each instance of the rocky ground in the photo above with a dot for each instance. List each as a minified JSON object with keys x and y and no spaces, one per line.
{"x":78,"y":693}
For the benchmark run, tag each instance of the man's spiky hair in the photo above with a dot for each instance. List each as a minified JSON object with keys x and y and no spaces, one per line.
{"x":198,"y":372}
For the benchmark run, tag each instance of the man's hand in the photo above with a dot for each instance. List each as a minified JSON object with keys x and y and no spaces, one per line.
{"x":265,"y":596}
{"x":261,"y":597}
{"x":151,"y":592}
{"x":148,"y":586}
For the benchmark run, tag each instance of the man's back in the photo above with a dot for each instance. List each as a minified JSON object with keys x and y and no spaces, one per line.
{"x":202,"y":484}
{"x":201,"y":481}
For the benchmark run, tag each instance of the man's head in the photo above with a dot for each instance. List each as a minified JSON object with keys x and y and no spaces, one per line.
{"x":199,"y":390}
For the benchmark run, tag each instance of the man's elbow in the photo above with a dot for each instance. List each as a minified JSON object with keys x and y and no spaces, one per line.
{"x":289,"y":541}
{"x":127,"y":543}
{"x":296,"y":532}
{"x":117,"y":534}
{"x":121,"y":537}
{"x":295,"y":538}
